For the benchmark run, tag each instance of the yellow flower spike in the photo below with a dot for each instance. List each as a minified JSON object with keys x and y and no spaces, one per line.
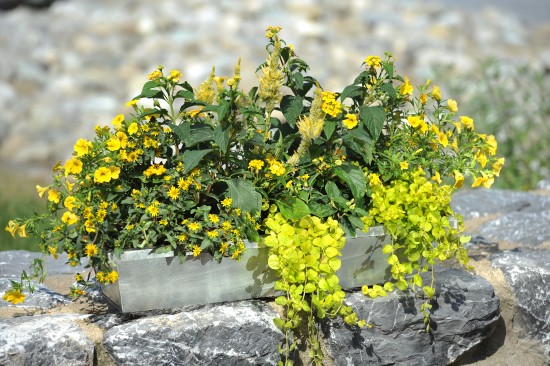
{"x":206,"y":92}
{"x":41,"y":190}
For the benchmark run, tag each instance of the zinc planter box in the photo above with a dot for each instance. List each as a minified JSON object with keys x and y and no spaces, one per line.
{"x":150,"y":281}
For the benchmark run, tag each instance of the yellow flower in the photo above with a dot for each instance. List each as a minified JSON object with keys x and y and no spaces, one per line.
{"x":174,"y":76}
{"x":415,"y":121}
{"x":69,"y":218}
{"x":53,"y":251}
{"x":78,"y":277}
{"x":271,"y":31}
{"x":196,"y":251}
{"x":277,"y":168}
{"x":497,"y":166}
{"x":194,"y":226}
{"x":330,"y":105}
{"x":406,"y":88}
{"x":41,"y":190}
{"x":12,"y":228}
{"x":350,"y":121}
{"x":436,"y":93}
{"x":112,"y":277}
{"x":459,"y":179}
{"x":123,"y":139}
{"x":155,"y":75}
{"x":115,"y":172}
{"x":481,"y":158}
{"x":492,"y":142}
{"x":113,"y":143}
{"x":404,"y":165}
{"x":173,"y":192}
{"x":22,"y":231}
{"x":117,"y":121}
{"x":437,"y":178}
{"x":91,"y":250}
{"x":73,"y":166}
{"x":374,"y":179}
{"x":454,"y":144}
{"x":467,"y":122}
{"x":212,"y":233}
{"x":81,"y":147}
{"x":133,"y":128}
{"x":131,"y":103}
{"x":54,"y":196}
{"x":484,"y":180}
{"x":14,"y":296}
{"x":373,"y":61}
{"x":213,"y":218}
{"x":226,"y":202}
{"x":452,"y":105}
{"x":102,"y":175}
{"x":423,"y":98}
{"x":153,"y":210}
{"x":442,"y":139}
{"x":101,"y":277}
{"x":255,"y":165}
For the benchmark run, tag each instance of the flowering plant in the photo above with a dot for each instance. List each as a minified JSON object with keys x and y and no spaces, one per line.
{"x":202,"y":169}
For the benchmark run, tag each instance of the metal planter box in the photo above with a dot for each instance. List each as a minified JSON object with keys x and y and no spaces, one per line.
{"x":150,"y":281}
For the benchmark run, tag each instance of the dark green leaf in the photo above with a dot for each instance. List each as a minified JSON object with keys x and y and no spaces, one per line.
{"x":199,"y":133}
{"x":329,"y":128}
{"x":359,"y":141}
{"x":221,"y":138}
{"x":356,"y":221}
{"x":320,"y":208}
{"x":186,"y":94}
{"x":182,"y":130}
{"x":244,"y":195}
{"x":192,"y":158}
{"x":373,"y":118}
{"x":351,"y":91}
{"x":389,"y":89}
{"x":293,"y":208}
{"x":292,"y":107}
{"x":149,"y":90}
{"x":334,"y":194}
{"x":298,"y":79}
{"x":354,"y":178}
{"x":388,"y":66}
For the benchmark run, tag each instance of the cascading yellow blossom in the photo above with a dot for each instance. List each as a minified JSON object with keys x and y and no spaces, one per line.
{"x":492,"y":142}
{"x":133,"y":128}
{"x":70,"y":202}
{"x":41,"y":190}
{"x":452,"y":105}
{"x":467,"y":122}
{"x":117,"y":121}
{"x":483,"y":180}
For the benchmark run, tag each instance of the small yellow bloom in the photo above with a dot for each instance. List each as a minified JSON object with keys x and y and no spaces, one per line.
{"x":213,"y":218}
{"x":53,"y":251}
{"x":113,"y":143}
{"x":481,"y":158}
{"x":12,"y":228}
{"x":91,"y":250}
{"x":54,"y":196}
{"x":41,"y":190}
{"x":404,"y":165}
{"x":173,"y":192}
{"x":226,"y":202}
{"x":174,"y":76}
{"x":14,"y":296}
{"x":492,"y":142}
{"x":406,"y":88}
{"x":271,"y":31}
{"x":255,"y":165}
{"x":112,"y":277}
{"x":437,"y":178}
{"x":117,"y":121}
{"x":350,"y":121}
{"x":373,"y":61}
{"x":423,"y":98}
{"x":78,"y":277}
{"x":436,"y":93}
{"x":484,"y":180}
{"x":212,"y":233}
{"x":69,"y":218}
{"x":196,"y":251}
{"x":131,"y":103}
{"x":155,"y":75}
{"x":102,"y":175}
{"x":459,"y":179}
{"x":73,"y":166}
{"x":194,"y":226}
{"x":22,"y":231}
{"x":133,"y":128}
{"x":374,"y":179}
{"x":467,"y":122}
{"x":415,"y":121}
{"x":70,"y":202}
{"x":277,"y":168}
{"x":81,"y":147}
{"x":452,"y":105}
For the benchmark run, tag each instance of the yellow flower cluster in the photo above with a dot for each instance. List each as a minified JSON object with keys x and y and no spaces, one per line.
{"x":373,"y":61}
{"x":107,"y":278}
{"x":330,"y":105}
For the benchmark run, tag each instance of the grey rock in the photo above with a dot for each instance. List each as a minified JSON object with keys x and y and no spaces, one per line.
{"x":466,"y":311}
{"x":483,"y":202}
{"x":479,"y":247}
{"x":528,"y":273}
{"x":42,"y":297}
{"x":525,"y":228}
{"x":14,"y":262}
{"x":239,"y":333}
{"x":544,"y":184}
{"x":45,"y":340}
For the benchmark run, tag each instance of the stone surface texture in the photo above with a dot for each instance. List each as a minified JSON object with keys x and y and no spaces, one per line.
{"x":465,"y":312}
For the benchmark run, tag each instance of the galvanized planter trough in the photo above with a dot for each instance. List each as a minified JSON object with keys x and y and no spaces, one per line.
{"x":150,"y":281}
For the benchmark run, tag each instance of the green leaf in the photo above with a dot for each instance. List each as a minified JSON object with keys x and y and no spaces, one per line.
{"x":220,"y":110}
{"x":221,"y":138}
{"x":244,"y":195}
{"x":292,"y":107}
{"x":293,"y":208}
{"x":329,"y":128}
{"x":182,"y":130}
{"x":186,"y":94}
{"x":389,"y":89}
{"x":429,"y":291}
{"x":320,"y":209}
{"x":356,"y":221}
{"x":274,"y":262}
{"x":199,"y":134}
{"x":351,"y":91}
{"x":373,"y":118}
{"x":149,"y":90}
{"x":192,"y":158}
{"x":388,"y":66}
{"x":334,"y":194}
{"x":388,"y":249}
{"x":354,"y":178}
{"x":360,"y":142}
